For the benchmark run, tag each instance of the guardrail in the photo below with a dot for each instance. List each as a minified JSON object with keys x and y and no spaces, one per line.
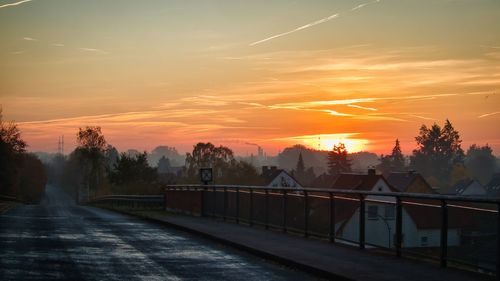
{"x":457,"y":225}
{"x":9,"y":198}
{"x":137,"y":202}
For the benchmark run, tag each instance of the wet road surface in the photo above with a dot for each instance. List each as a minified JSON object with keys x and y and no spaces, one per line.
{"x":59,"y":240}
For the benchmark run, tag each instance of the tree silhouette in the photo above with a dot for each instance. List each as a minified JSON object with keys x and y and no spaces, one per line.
{"x":165,"y":151}
{"x":21,"y":174}
{"x":480,"y":162}
{"x":394,"y":161}
{"x":438,"y":150}
{"x":111,"y":156}
{"x":90,"y":151}
{"x":338,"y":161}
{"x":163,"y":165}
{"x":207,"y":155}
{"x":10,"y":135}
{"x":129,"y":169}
{"x":300,"y":168}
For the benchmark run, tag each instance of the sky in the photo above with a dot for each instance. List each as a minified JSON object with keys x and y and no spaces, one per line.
{"x":273,"y":73}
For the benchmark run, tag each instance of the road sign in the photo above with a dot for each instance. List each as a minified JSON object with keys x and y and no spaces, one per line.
{"x":206,"y":175}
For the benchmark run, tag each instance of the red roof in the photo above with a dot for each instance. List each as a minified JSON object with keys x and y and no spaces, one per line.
{"x":403,"y":180}
{"x":359,"y":182}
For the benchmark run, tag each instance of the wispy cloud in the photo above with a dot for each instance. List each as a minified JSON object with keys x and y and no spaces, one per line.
{"x":362,"y":107}
{"x":18,"y":52}
{"x":14,"y":4}
{"x":93,"y":50}
{"x":311,"y":24}
{"x":490,"y":47}
{"x":58,"y":45}
{"x":29,"y":39}
{"x":488,"y":114}
{"x":422,"y":117}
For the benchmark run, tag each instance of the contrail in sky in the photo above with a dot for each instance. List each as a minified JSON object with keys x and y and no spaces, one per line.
{"x":296,"y":29}
{"x":14,"y":4}
{"x":323,"y":20}
{"x":488,"y":114}
{"x":365,"y":4}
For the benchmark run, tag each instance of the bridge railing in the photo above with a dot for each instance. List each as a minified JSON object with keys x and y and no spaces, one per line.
{"x":9,"y":198}
{"x":136,"y":202}
{"x":459,"y":231}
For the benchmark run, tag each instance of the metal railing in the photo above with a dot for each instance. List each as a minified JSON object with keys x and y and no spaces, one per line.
{"x":322,"y":213}
{"x":9,"y":198}
{"x":138,"y":202}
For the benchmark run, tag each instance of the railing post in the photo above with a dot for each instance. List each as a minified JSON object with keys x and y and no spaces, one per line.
{"x":250,"y":216}
{"x":331,"y":233}
{"x":498,"y":241}
{"x":237,"y":205}
{"x":306,"y":215}
{"x":444,"y":233}
{"x":284,"y":209}
{"x":214,"y":202}
{"x":399,"y":226}
{"x":267,"y":209}
{"x":203,"y":195}
{"x":165,"y":200}
{"x":361,"y":222}
{"x":225,"y":204}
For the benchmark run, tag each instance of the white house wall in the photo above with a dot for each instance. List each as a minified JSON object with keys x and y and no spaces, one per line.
{"x":277,"y":181}
{"x":474,"y":189}
{"x":381,"y":186}
{"x":381,"y":232}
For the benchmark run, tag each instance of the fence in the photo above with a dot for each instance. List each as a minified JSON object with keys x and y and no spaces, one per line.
{"x":138,"y":202}
{"x":9,"y":198}
{"x":455,"y":231}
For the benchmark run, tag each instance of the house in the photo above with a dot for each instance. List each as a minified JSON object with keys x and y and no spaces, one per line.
{"x":493,"y":187}
{"x":421,"y":222}
{"x":274,"y":177}
{"x":467,"y":187}
{"x":409,"y":181}
{"x":380,"y":217}
{"x":323,"y":181}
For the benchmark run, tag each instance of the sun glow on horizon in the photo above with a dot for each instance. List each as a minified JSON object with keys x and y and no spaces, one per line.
{"x":328,"y":141}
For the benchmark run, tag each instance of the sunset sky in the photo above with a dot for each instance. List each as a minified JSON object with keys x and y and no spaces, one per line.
{"x":274,"y":73}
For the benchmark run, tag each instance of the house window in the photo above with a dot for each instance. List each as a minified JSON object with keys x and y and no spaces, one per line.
{"x":423,"y":241}
{"x":389,"y":212}
{"x":372,"y":212}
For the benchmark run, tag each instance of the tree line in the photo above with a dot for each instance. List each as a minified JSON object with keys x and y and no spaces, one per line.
{"x":22,"y":174}
{"x":438,"y":156}
{"x":96,"y":168}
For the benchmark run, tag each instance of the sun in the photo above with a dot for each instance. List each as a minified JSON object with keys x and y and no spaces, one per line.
{"x":327,"y":141}
{"x":352,"y":145}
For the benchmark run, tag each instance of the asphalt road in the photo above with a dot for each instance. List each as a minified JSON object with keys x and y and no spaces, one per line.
{"x":59,"y":240}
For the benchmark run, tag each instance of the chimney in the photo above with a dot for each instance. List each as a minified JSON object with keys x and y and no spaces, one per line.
{"x":372,"y":172}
